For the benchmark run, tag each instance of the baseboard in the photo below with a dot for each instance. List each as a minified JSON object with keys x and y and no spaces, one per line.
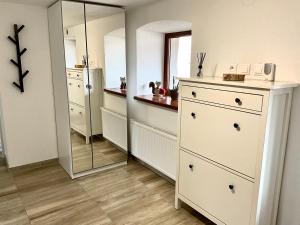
{"x":35,"y":165}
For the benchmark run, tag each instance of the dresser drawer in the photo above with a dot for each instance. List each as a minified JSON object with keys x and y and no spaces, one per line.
{"x":76,"y":92}
{"x":224,"y":195}
{"x":228,"y":137}
{"x":78,"y":118}
{"x":230,"y":98}
{"x":75,"y":74}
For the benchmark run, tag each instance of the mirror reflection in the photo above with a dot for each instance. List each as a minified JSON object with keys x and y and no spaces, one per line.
{"x":94,"y":37}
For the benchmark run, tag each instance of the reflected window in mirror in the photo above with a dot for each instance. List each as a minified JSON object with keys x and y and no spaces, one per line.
{"x":70,"y":53}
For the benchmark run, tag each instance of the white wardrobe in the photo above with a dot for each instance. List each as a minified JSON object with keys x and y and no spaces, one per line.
{"x":79,"y":90}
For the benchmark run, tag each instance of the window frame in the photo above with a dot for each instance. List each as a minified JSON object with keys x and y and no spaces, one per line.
{"x":167,"y":55}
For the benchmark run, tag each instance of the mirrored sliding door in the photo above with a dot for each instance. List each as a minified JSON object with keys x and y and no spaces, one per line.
{"x":89,"y":81}
{"x":105,"y":32}
{"x":77,"y":82}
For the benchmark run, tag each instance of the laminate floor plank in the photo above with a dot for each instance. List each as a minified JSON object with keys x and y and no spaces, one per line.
{"x":129,"y":195}
{"x":40,"y":202}
{"x":2,"y":163}
{"x":83,"y":213}
{"x":81,"y":153}
{"x":12,"y":211}
{"x":7,"y":184}
{"x":39,"y":176}
{"x":103,"y":153}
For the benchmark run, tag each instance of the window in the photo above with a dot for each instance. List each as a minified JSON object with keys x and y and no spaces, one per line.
{"x":70,"y":53}
{"x":177,"y":58}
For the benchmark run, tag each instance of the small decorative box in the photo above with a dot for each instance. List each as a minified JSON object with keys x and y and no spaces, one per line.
{"x":233,"y":77}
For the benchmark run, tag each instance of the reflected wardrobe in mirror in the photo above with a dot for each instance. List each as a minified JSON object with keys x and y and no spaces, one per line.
{"x":105,"y":32}
{"x":78,"y":74}
{"x":89,"y":81}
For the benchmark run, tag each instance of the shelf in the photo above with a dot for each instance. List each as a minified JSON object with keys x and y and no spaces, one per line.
{"x":116,"y":91}
{"x":164,"y":102}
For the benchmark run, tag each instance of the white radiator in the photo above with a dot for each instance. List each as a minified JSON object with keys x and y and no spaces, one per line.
{"x":114,"y":127}
{"x":155,"y":147}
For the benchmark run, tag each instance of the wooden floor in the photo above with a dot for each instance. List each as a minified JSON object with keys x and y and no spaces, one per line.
{"x":104,"y":153}
{"x":44,"y":194}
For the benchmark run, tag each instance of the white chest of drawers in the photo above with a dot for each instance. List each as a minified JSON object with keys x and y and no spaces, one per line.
{"x":231,"y":148}
{"x":82,"y":104}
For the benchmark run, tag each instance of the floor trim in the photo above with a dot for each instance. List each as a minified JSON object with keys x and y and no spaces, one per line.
{"x":105,"y":168}
{"x":36,"y":164}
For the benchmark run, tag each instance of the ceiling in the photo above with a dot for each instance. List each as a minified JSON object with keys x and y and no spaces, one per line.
{"x":45,"y":3}
{"x":73,"y":13}
{"x":167,"y":26}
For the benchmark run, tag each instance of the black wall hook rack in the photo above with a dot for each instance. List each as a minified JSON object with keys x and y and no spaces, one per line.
{"x":18,"y":64}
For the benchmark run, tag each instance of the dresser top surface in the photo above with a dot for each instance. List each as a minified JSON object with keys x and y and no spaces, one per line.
{"x":81,"y":69}
{"x":259,"y":84}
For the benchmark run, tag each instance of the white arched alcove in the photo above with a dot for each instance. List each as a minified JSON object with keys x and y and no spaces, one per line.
{"x":150,"y":40}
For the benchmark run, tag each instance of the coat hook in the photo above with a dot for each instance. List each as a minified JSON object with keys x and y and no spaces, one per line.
{"x":20,"y":52}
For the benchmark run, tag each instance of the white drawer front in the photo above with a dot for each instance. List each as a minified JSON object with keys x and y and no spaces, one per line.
{"x":80,"y":93}
{"x":75,"y":74}
{"x":209,"y":186}
{"x":78,"y":118}
{"x":70,"y":84}
{"x":235,"y":99}
{"x":76,"y":91}
{"x":210,"y":131}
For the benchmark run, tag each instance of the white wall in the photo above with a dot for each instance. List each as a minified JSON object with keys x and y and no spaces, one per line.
{"x":115,"y":103}
{"x":136,"y":18}
{"x":1,"y":142}
{"x":150,"y":66}
{"x":96,"y":30}
{"x":2,"y":134}
{"x":28,"y":118}
{"x":115,"y":58}
{"x":249,"y":31}
{"x":150,"y":59}
{"x":157,"y":117}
